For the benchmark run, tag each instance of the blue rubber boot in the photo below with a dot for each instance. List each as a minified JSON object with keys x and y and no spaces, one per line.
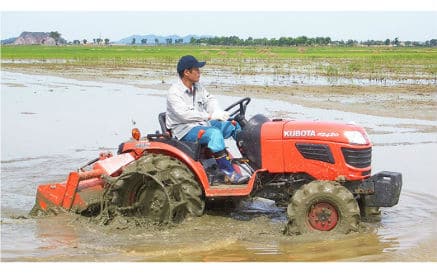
{"x":231,"y":176}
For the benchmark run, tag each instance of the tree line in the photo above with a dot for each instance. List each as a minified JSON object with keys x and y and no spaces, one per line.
{"x":303,"y":41}
{"x":282,"y":41}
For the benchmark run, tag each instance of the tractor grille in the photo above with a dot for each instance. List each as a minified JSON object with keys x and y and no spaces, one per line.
{"x":359,"y":158}
{"x":318,"y":152}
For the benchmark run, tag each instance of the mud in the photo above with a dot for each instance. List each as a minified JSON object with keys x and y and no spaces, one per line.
{"x":390,"y":98}
{"x":73,"y":120}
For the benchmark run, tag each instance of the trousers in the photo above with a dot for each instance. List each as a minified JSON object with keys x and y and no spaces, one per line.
{"x":214,"y":135}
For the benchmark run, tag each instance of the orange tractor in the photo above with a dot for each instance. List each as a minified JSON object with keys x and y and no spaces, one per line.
{"x":320,"y":171}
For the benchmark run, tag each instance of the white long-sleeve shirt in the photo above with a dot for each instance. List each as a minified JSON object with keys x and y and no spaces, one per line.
{"x":187,"y":109}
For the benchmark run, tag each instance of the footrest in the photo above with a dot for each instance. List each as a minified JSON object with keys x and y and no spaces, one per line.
{"x":240,"y":160}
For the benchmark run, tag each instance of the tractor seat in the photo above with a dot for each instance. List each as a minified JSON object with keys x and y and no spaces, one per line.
{"x":164,"y":129}
{"x":190,"y":148}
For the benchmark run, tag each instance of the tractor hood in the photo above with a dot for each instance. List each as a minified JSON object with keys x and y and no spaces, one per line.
{"x":317,"y":131}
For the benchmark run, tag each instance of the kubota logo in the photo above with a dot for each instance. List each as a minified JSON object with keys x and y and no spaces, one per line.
{"x":299,"y":133}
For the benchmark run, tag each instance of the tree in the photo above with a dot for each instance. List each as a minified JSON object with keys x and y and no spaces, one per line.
{"x":283,"y":41}
{"x":133,"y":41}
{"x":56,"y":36}
{"x":106,"y":41}
{"x":396,"y":41}
{"x":76,"y":42}
{"x":301,"y":40}
{"x":351,"y":42}
{"x":387,"y":42}
{"x":84,"y":41}
{"x":156,"y":41}
{"x":143,"y":41}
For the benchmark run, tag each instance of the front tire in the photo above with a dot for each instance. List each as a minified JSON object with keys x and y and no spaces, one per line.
{"x":322,"y":206}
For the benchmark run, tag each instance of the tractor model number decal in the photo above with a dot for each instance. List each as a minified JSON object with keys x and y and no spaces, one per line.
{"x":326,"y":134}
{"x":142,"y":144}
{"x":309,"y":133}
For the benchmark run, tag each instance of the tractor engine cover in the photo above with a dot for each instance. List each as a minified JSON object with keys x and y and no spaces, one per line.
{"x":324,"y":150}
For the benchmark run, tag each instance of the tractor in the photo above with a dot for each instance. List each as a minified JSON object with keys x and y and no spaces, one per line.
{"x":319,"y":171}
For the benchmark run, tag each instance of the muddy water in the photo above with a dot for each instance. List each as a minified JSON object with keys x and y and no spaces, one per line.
{"x":50,"y":126}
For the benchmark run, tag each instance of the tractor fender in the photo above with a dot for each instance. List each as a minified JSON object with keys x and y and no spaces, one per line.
{"x":195,"y":166}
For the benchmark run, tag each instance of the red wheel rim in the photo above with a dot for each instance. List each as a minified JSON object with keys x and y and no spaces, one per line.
{"x":323,"y":216}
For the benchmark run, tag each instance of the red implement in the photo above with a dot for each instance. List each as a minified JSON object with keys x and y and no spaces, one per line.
{"x":82,"y":188}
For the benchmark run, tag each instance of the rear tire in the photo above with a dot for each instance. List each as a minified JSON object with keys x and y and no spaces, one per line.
{"x":156,"y":187}
{"x":322,"y":206}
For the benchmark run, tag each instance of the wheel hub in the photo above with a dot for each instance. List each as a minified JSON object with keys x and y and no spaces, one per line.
{"x":323,"y":216}
{"x":154,"y":204}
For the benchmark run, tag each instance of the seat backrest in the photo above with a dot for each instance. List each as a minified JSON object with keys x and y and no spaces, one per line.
{"x":193,"y":149}
{"x":161,"y":119}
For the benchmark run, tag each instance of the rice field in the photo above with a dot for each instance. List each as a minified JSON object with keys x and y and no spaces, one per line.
{"x":357,"y":62}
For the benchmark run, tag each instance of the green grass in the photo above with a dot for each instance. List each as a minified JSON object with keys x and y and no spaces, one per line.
{"x":174,"y":52}
{"x":330,"y":61}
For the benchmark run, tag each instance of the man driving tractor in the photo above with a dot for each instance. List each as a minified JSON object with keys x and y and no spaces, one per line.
{"x":190,"y":109}
{"x":319,"y":170}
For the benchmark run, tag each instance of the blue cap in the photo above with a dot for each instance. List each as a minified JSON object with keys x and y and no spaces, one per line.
{"x":187,"y":62}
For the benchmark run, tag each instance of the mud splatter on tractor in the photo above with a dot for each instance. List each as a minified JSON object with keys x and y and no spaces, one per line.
{"x":320,"y":171}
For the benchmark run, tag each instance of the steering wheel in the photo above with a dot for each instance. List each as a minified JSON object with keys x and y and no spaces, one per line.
{"x":237,"y":110}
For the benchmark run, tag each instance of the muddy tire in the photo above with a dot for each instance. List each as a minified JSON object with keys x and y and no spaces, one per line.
{"x":322,"y":206}
{"x":156,"y":187}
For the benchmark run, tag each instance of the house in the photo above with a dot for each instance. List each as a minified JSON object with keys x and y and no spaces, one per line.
{"x":34,"y":38}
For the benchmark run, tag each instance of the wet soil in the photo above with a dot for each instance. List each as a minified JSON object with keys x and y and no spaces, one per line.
{"x":390,"y":99}
{"x":52,"y":125}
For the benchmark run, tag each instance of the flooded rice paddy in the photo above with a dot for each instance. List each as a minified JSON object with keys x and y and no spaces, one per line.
{"x":52,"y":125}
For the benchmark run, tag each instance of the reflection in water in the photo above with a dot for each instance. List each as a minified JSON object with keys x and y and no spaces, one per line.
{"x":56,"y":233}
{"x":265,"y":247}
{"x":332,"y":249}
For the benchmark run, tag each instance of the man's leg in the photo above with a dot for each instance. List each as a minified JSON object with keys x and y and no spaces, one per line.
{"x":227,"y":128}
{"x":213,"y":137}
{"x":225,"y":165}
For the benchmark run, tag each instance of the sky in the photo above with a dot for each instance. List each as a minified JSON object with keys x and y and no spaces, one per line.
{"x":339,"y":22}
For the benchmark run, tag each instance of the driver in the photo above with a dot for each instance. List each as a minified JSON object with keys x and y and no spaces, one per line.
{"x":190,"y":108}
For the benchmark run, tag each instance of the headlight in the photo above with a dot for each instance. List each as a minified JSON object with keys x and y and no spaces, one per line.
{"x":355,"y":137}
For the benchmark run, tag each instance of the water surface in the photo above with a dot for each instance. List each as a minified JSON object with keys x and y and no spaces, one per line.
{"x":52,"y":125}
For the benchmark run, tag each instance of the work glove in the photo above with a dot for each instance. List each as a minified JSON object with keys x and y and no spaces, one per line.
{"x":220,"y":115}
